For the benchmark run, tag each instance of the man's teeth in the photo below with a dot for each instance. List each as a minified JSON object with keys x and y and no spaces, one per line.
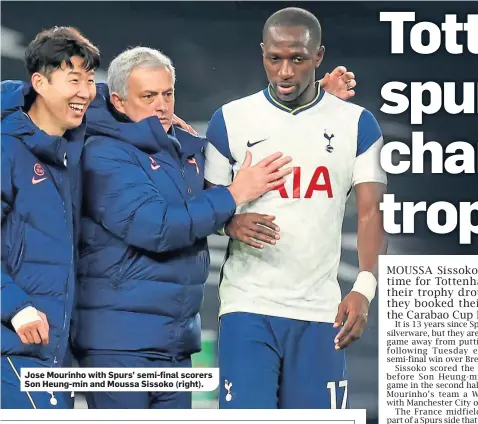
{"x":77,"y":106}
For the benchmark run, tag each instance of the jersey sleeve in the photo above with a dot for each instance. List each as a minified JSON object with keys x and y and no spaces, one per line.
{"x":219,"y":160}
{"x":367,"y":167}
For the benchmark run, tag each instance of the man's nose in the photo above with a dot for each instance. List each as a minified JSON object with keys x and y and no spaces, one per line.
{"x":161,"y":104}
{"x":83,"y":91}
{"x":286,"y":70}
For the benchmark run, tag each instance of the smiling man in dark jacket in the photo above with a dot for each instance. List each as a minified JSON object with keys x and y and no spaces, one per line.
{"x":43,"y":132}
{"x":144,"y":257}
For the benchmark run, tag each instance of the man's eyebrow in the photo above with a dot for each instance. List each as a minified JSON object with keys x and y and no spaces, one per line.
{"x":73,"y":72}
{"x":294,"y":51}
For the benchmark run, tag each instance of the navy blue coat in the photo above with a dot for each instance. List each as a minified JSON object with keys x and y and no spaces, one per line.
{"x":144,"y":257}
{"x":40,"y":214}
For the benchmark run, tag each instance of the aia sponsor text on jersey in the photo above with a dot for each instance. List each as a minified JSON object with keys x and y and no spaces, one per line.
{"x":320,"y":181}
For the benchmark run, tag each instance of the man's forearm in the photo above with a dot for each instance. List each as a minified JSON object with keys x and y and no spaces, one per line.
{"x":371,"y":240}
{"x":221,"y":231}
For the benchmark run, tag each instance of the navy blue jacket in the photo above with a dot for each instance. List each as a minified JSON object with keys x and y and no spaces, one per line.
{"x":40,"y":214}
{"x":144,"y":257}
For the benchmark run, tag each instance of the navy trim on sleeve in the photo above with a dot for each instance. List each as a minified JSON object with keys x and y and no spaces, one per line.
{"x":368,"y":132}
{"x":217,"y":135}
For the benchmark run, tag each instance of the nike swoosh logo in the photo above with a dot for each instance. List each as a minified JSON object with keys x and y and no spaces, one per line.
{"x":155,"y":167}
{"x":38,"y":181}
{"x":249,"y":144}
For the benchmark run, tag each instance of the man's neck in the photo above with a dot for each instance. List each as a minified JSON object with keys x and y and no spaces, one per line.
{"x":306,"y":97}
{"x":43,"y":120}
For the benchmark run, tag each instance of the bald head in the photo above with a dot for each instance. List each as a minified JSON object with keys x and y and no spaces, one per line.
{"x":295,"y":17}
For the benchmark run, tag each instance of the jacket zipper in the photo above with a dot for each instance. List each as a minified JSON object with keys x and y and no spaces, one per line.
{"x":67,"y":279}
{"x":53,"y":400}
{"x":66,"y":295}
{"x":176,"y":327}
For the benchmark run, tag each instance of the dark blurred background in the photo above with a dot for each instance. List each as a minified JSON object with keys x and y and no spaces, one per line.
{"x":215,"y":49}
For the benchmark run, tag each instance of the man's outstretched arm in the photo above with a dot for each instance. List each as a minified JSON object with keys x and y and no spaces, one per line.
{"x":371,"y":238}
{"x":370,"y":182}
{"x":371,"y":242}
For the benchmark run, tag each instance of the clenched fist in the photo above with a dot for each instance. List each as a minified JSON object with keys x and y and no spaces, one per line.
{"x":31,"y":326}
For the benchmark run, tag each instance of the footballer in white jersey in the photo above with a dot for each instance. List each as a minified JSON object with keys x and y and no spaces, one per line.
{"x":281,"y":336}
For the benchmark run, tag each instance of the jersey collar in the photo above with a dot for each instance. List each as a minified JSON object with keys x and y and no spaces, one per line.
{"x":297,"y":110}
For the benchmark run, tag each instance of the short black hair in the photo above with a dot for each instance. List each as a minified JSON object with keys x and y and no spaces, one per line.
{"x":51,"y":47}
{"x":293,"y":17}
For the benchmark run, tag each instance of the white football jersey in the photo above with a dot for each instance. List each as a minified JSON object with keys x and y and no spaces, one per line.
{"x":334,"y":145}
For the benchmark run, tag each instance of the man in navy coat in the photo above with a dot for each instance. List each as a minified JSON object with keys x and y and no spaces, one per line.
{"x":43,"y":131}
{"x":144,"y":257}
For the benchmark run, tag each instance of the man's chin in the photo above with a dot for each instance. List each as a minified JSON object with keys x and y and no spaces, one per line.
{"x":73,"y":123}
{"x":286,"y":98}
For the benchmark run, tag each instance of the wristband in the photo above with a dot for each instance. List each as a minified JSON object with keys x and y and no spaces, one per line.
{"x":366,"y":284}
{"x":25,"y":316}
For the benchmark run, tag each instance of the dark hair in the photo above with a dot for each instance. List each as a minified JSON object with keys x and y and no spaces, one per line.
{"x":292,"y":17}
{"x":53,"y":46}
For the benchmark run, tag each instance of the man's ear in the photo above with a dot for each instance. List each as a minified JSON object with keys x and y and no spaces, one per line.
{"x":116,"y":101}
{"x":319,"y":56}
{"x":262,"y":48}
{"x":39,"y":82}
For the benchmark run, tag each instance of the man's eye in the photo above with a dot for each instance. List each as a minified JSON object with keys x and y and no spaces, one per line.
{"x":147,"y":96}
{"x":75,"y":80}
{"x":298,"y":60}
{"x":91,"y":80}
